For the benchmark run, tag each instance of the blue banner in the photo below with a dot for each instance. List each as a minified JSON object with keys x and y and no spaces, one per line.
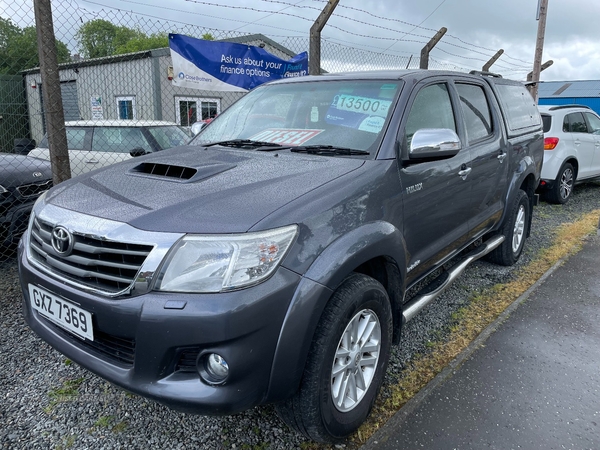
{"x":226,"y":66}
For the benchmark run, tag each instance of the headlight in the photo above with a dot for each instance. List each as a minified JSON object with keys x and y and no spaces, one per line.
{"x":215,"y":263}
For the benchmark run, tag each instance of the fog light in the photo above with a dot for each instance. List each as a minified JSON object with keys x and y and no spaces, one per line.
{"x":213,"y":368}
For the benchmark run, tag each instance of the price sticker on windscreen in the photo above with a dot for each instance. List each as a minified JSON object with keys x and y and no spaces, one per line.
{"x":285,"y":136}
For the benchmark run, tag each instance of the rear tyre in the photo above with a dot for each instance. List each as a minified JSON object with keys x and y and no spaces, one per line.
{"x":563,"y":186}
{"x":514,"y":230}
{"x":346,"y":363}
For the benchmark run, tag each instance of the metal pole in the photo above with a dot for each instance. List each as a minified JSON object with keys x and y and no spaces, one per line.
{"x":53,"y":106}
{"x":429,"y":46}
{"x":314,"y":61}
{"x":539,"y":47}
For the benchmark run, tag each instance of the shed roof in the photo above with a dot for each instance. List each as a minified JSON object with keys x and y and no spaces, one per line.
{"x":569,"y":89}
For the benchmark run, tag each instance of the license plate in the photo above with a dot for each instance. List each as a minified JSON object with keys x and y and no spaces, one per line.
{"x":62,"y":312}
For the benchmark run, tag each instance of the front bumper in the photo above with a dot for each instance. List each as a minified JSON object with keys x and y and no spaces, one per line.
{"x":165,"y":337}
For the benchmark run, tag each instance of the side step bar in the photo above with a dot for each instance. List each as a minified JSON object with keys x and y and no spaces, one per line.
{"x":413,"y":307}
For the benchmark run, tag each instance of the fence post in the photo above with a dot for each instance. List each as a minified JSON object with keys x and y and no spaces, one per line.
{"x":542,"y":68}
{"x":314,"y":61}
{"x":493,"y":59}
{"x":55,"y":118}
{"x":429,"y":46}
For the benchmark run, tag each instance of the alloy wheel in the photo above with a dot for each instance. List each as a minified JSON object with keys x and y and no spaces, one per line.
{"x":355,"y":360}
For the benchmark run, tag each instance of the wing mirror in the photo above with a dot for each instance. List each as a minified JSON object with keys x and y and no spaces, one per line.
{"x":138,"y":151}
{"x":197,"y":127}
{"x":434,"y":143}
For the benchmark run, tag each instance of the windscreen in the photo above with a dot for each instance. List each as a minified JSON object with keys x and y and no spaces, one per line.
{"x":350,"y":114}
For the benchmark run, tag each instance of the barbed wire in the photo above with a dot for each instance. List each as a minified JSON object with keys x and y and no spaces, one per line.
{"x":343,"y":30}
{"x":363,"y":11}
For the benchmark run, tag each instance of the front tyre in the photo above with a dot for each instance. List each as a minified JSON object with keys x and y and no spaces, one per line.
{"x":514,"y":230}
{"x":346,"y":363}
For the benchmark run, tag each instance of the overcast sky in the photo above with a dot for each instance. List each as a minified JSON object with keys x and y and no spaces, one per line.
{"x":476,"y":28}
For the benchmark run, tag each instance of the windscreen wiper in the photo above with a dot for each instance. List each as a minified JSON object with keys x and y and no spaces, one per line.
{"x":327,"y":150}
{"x":244,"y":143}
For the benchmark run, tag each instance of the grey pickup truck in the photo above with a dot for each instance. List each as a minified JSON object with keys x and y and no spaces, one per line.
{"x":268,"y":261}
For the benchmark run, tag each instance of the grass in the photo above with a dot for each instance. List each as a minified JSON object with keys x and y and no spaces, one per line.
{"x":108,"y":421}
{"x":67,"y":443}
{"x":470,"y":321}
{"x":120,"y":427}
{"x":67,"y":392}
{"x":104,"y":421}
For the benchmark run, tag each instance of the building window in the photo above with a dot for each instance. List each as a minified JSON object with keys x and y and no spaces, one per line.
{"x":192,"y":109}
{"x":126,"y":108}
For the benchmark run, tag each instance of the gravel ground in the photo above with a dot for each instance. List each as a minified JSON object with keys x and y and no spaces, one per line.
{"x":47,"y":402}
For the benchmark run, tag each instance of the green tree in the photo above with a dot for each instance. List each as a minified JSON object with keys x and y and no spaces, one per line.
{"x":18,"y":48}
{"x":208,"y":37}
{"x":98,"y":38}
{"x":144,"y":42}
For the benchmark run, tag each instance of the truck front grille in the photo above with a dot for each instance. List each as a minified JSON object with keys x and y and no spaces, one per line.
{"x":104,"y":265}
{"x":34,"y":189}
{"x":118,"y":349}
{"x":186,"y":362}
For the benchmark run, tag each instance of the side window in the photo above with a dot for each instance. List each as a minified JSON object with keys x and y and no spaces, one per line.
{"x":519,"y":107}
{"x":577,"y":123}
{"x":118,"y":140}
{"x":594,"y":123}
{"x":76,"y":138}
{"x":566,"y":125}
{"x":547,"y":122}
{"x":476,"y":111}
{"x":431,"y":109}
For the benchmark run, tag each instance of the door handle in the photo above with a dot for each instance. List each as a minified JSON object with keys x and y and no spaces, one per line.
{"x":464,"y":173}
{"x":92,"y":161}
{"x":501,"y":156}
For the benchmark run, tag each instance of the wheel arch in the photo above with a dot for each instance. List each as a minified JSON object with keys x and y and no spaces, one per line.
{"x":528,"y":185}
{"x":523,"y":178}
{"x":573,"y":161}
{"x":377,"y":250}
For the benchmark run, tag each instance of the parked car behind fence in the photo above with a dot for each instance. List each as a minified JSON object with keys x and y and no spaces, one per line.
{"x":22,"y":180}
{"x":99,"y":143}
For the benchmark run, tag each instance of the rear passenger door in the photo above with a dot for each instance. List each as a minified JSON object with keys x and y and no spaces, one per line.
{"x":583,"y":141}
{"x":486,"y":143}
{"x":594,"y":129}
{"x":78,"y":143}
{"x":437,"y":202}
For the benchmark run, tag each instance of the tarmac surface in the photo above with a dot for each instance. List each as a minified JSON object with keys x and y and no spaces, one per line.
{"x":530,"y":381}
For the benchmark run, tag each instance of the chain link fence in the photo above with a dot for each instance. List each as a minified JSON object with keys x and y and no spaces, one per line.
{"x":117,"y":96}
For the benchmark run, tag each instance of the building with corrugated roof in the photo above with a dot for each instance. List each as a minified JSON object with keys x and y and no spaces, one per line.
{"x":570,"y":92}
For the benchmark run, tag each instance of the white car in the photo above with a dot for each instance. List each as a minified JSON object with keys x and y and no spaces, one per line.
{"x":99,"y":143}
{"x":571,"y":149}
